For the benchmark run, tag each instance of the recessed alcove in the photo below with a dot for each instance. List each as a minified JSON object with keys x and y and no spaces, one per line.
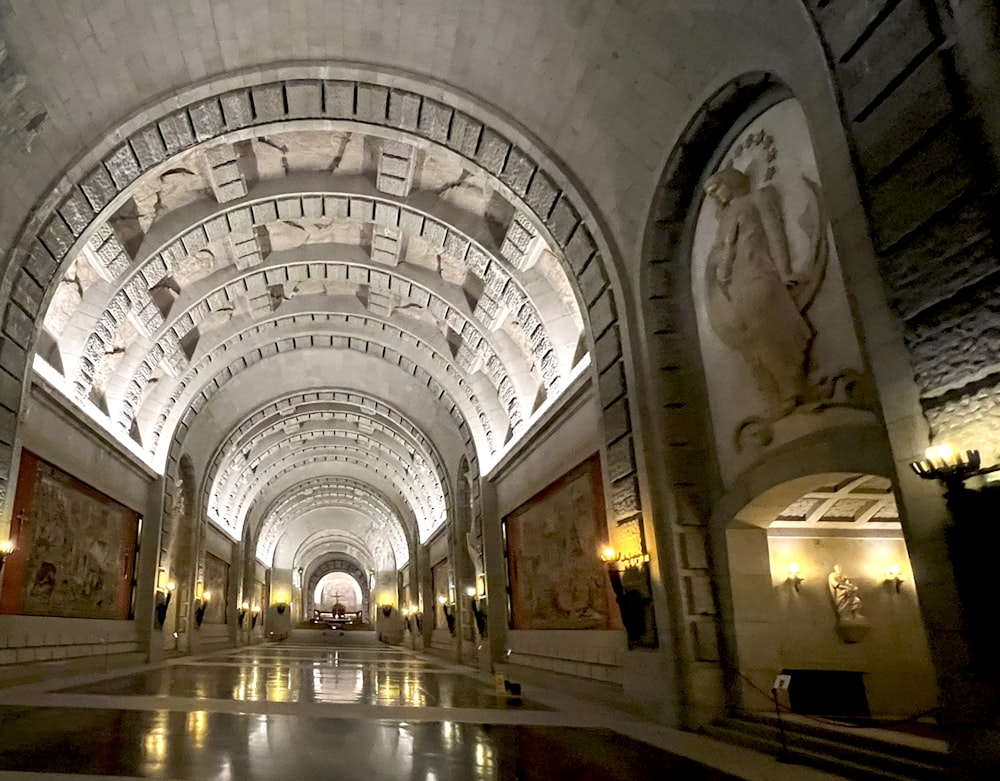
{"x":783,"y":549}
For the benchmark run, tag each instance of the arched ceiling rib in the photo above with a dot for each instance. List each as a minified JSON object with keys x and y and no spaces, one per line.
{"x":399,"y":289}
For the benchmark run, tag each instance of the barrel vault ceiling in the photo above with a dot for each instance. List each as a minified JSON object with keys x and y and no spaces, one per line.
{"x":327,"y":320}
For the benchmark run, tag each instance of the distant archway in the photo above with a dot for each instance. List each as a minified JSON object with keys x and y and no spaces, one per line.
{"x":350,"y":569}
{"x":338,"y":589}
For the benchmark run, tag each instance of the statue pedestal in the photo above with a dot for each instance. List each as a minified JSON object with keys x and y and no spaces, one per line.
{"x":852,"y":632}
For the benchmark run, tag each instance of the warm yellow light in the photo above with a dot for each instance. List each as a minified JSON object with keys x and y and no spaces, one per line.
{"x":207,"y":596}
{"x":940,"y":455}
{"x":442,"y":599}
{"x":470,"y":591}
{"x":171,"y":586}
{"x":608,"y":554}
{"x":6,"y":547}
{"x":894,"y":571}
{"x":245,"y":606}
{"x":413,"y":609}
{"x":793,"y":569}
{"x":406,"y":611}
{"x":256,"y":608}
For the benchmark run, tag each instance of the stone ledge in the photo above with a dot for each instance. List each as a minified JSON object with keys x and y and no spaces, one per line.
{"x":33,"y":672}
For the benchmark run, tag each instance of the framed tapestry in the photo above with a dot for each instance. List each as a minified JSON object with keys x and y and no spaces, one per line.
{"x":557,"y":580}
{"x":75,"y":548}
{"x":217,"y":582}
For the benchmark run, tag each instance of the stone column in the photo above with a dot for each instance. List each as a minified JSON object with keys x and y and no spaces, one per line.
{"x":146,"y":572}
{"x":496,"y":580}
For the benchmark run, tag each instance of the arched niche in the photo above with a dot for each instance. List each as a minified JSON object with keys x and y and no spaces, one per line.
{"x":776,"y":337}
{"x":820,"y":587}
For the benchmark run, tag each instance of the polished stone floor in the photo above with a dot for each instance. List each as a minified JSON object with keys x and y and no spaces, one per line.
{"x":319,"y":710}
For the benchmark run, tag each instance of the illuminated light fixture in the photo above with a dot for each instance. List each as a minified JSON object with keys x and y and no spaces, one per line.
{"x":6,"y":548}
{"x":255,"y":614}
{"x":793,"y":575}
{"x":478,"y":609}
{"x":200,"y":606}
{"x":449,"y":613}
{"x":387,"y":609}
{"x":241,"y":614}
{"x":952,"y":467}
{"x":406,"y":611}
{"x":629,"y":577}
{"x":892,"y":576}
{"x":162,"y":602}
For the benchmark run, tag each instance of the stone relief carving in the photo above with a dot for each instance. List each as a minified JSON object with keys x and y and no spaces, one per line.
{"x":758,"y":297}
{"x":191,"y":268}
{"x":777,"y":338}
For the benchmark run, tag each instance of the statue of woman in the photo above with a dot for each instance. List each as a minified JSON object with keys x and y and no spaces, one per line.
{"x":754,"y":299}
{"x":845,"y":596}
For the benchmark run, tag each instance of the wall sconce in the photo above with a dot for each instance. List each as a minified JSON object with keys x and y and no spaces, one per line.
{"x":387,"y":609}
{"x":892,"y":576}
{"x":200,"y":605}
{"x":281,"y":607}
{"x":6,"y":548}
{"x":255,"y":614}
{"x":633,"y":594}
{"x":793,"y":575}
{"x":241,"y":614}
{"x":449,"y":613}
{"x":478,"y":609}
{"x":951,"y":467}
{"x":418,"y":617}
{"x":163,"y":596}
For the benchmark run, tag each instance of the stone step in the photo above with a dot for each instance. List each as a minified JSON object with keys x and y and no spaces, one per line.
{"x":854,"y":756}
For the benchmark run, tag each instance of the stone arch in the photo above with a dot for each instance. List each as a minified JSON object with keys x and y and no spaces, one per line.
{"x":855,"y":649}
{"x":682,"y":439}
{"x":62,"y":221}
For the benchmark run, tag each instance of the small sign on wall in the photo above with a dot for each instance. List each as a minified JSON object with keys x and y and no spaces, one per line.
{"x":782,"y":682}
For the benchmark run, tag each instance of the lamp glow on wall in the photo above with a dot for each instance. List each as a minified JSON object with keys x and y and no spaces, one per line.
{"x":793,"y":575}
{"x":164,"y":591}
{"x":241,"y":614}
{"x":449,"y":613}
{"x":629,"y":578}
{"x":6,"y":548}
{"x":200,"y":606}
{"x":255,"y":615}
{"x":478,"y":609}
{"x":892,"y":576}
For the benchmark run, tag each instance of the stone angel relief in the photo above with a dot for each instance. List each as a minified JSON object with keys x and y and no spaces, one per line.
{"x":758,"y":298}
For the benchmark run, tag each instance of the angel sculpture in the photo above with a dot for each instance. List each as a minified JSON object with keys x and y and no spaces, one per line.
{"x":757,"y":300}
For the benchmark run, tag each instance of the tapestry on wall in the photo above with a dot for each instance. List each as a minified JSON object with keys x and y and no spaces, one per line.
{"x":75,"y":548}
{"x":557,"y":580}
{"x":216,"y":582}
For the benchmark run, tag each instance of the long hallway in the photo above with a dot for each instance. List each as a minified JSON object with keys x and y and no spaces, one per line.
{"x":337,"y":706}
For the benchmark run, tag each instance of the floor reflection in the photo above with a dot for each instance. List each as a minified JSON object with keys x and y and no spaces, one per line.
{"x":389,"y":685}
{"x":206,"y":745}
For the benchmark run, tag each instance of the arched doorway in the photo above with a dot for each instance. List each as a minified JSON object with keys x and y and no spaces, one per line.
{"x":822,"y":590}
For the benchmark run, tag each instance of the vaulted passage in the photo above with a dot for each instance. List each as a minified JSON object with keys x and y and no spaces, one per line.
{"x":362,"y":363}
